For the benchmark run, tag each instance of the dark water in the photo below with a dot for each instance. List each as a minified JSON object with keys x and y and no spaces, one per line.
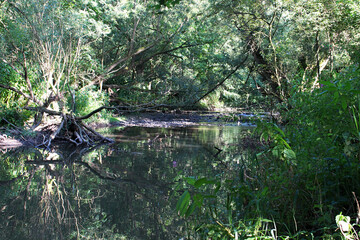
{"x":118,"y":191}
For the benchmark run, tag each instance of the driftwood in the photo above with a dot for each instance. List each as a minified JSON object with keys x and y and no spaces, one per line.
{"x":71,"y":128}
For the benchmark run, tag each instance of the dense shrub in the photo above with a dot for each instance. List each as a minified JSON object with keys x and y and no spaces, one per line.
{"x":13,"y":115}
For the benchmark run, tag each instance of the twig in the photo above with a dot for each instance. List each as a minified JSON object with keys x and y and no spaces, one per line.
{"x":96,"y":133}
{"x":54,"y":134}
{"x":43,"y":110}
{"x":358,"y":208}
{"x":225,"y":228}
{"x":16,"y":128}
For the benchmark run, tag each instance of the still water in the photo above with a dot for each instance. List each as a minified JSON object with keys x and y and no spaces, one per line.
{"x":118,"y":191}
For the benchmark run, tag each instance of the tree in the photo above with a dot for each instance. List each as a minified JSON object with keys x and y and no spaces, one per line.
{"x":48,"y":54}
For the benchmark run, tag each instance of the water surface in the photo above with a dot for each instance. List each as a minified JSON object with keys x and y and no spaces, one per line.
{"x":118,"y":191}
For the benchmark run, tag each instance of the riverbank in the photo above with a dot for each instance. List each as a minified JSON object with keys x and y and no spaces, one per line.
{"x":181,"y":119}
{"x":16,"y":137}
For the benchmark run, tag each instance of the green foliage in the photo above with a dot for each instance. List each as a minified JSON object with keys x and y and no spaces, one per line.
{"x":168,"y":3}
{"x":87,"y":100}
{"x":279,"y":146}
{"x":304,"y":178}
{"x":304,"y":54}
{"x":8,"y":75}
{"x":11,"y":168}
{"x":188,"y":203}
{"x":318,"y":115}
{"x":347,"y":229}
{"x":212,"y":101}
{"x":13,"y":115}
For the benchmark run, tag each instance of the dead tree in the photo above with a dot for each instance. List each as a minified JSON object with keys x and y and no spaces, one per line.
{"x":72,"y":128}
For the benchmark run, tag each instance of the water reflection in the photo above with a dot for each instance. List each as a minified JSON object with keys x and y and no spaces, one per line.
{"x":118,"y":191}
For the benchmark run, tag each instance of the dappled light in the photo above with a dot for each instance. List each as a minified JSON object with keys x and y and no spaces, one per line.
{"x":211,"y":119}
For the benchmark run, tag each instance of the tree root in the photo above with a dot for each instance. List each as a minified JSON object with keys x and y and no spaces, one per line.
{"x":72,"y":129}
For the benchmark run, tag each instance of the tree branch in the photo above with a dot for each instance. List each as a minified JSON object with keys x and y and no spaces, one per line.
{"x":19,"y":92}
{"x":222,"y":81}
{"x":93,"y":112}
{"x":44,"y":110}
{"x":114,"y":65}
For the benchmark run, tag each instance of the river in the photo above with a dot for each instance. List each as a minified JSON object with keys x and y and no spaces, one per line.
{"x":120,"y":191}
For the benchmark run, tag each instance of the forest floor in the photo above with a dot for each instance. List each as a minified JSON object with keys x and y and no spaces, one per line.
{"x":12,"y":138}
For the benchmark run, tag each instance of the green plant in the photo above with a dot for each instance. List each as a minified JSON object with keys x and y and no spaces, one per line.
{"x":347,"y":229}
{"x":188,"y":203}
{"x":275,"y":136}
{"x":13,"y":115}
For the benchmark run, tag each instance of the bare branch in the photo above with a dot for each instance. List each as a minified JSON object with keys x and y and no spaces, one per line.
{"x":223,"y":80}
{"x":44,"y":110}
{"x":114,"y":65}
{"x":130,"y":55}
{"x":26,"y":76}
{"x":19,"y":92}
{"x":132,"y":40}
{"x":95,"y":111}
{"x":96,"y":133}
{"x":54,"y":134}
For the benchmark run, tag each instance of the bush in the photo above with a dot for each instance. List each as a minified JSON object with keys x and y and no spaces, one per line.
{"x":87,"y":100}
{"x":13,"y":115}
{"x":307,"y":175}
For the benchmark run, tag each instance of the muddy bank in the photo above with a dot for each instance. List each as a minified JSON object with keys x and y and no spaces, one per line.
{"x":168,"y":120}
{"x":13,"y":138}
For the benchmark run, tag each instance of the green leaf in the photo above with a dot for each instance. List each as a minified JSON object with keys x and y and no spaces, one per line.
{"x":354,"y":91}
{"x":279,"y":130}
{"x":218,"y":185}
{"x":266,"y":220}
{"x":209,"y":196}
{"x":190,"y":210}
{"x":264,"y":136}
{"x":289,"y":154}
{"x":276,"y":151}
{"x":343,"y":104}
{"x":190,"y":180}
{"x":203,"y":181}
{"x":198,"y":199}
{"x":200,"y":182}
{"x":285,"y":143}
{"x":183,"y":203}
{"x":327,"y":83}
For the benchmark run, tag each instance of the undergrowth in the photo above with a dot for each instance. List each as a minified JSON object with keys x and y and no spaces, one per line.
{"x":305,"y":185}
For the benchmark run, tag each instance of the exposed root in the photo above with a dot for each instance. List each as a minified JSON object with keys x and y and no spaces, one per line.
{"x":73,"y":130}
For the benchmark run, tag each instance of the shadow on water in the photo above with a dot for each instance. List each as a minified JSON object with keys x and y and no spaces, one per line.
{"x":118,"y":191}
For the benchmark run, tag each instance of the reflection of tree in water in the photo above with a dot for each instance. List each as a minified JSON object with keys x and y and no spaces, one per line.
{"x":112,"y":191}
{"x":57,"y":198}
{"x":43,"y":207}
